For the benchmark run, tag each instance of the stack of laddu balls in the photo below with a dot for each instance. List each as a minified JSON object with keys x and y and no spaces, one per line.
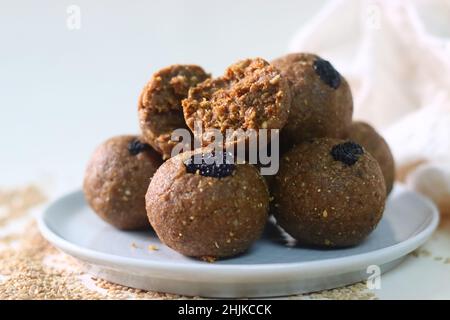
{"x":334,"y":174}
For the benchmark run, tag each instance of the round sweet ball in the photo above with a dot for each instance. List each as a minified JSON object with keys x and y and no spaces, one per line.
{"x":251,"y":95}
{"x":321,"y":100}
{"x":368,"y":137}
{"x":116,"y":180}
{"x":160,"y":110}
{"x":207,"y":208}
{"x":329,"y":193}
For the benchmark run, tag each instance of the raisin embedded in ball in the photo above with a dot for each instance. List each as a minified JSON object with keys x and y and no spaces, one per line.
{"x":135,"y":147}
{"x":327,"y":73}
{"x":347,"y":152}
{"x":209,"y":168}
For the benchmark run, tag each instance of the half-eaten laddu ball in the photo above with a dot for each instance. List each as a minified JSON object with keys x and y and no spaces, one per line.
{"x":251,"y":95}
{"x":159,"y":107}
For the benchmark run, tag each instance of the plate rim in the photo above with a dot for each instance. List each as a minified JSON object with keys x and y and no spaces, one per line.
{"x":344,"y":264}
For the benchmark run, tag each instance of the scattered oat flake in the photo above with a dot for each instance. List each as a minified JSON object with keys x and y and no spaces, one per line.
{"x":209,"y":259}
{"x":152,"y":247}
{"x":134,"y":245}
{"x":358,"y":291}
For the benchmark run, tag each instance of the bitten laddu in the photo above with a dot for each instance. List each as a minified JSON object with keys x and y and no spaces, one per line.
{"x":159,"y":107}
{"x":252,"y":94}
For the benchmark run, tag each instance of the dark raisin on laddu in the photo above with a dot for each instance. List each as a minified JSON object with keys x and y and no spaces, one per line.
{"x":327,"y":73}
{"x":207,"y":165}
{"x":347,"y":152}
{"x":135,"y":147}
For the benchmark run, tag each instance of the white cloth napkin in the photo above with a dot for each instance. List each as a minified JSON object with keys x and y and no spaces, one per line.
{"x":396,"y":57}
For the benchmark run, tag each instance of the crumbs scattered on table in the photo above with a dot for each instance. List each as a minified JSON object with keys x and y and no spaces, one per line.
{"x":209,"y":259}
{"x":424,"y":253}
{"x":134,"y":245}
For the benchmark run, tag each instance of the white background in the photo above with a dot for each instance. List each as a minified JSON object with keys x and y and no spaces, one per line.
{"x":62,"y":91}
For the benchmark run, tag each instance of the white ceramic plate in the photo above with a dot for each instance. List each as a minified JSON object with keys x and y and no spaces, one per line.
{"x":272,"y":267}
